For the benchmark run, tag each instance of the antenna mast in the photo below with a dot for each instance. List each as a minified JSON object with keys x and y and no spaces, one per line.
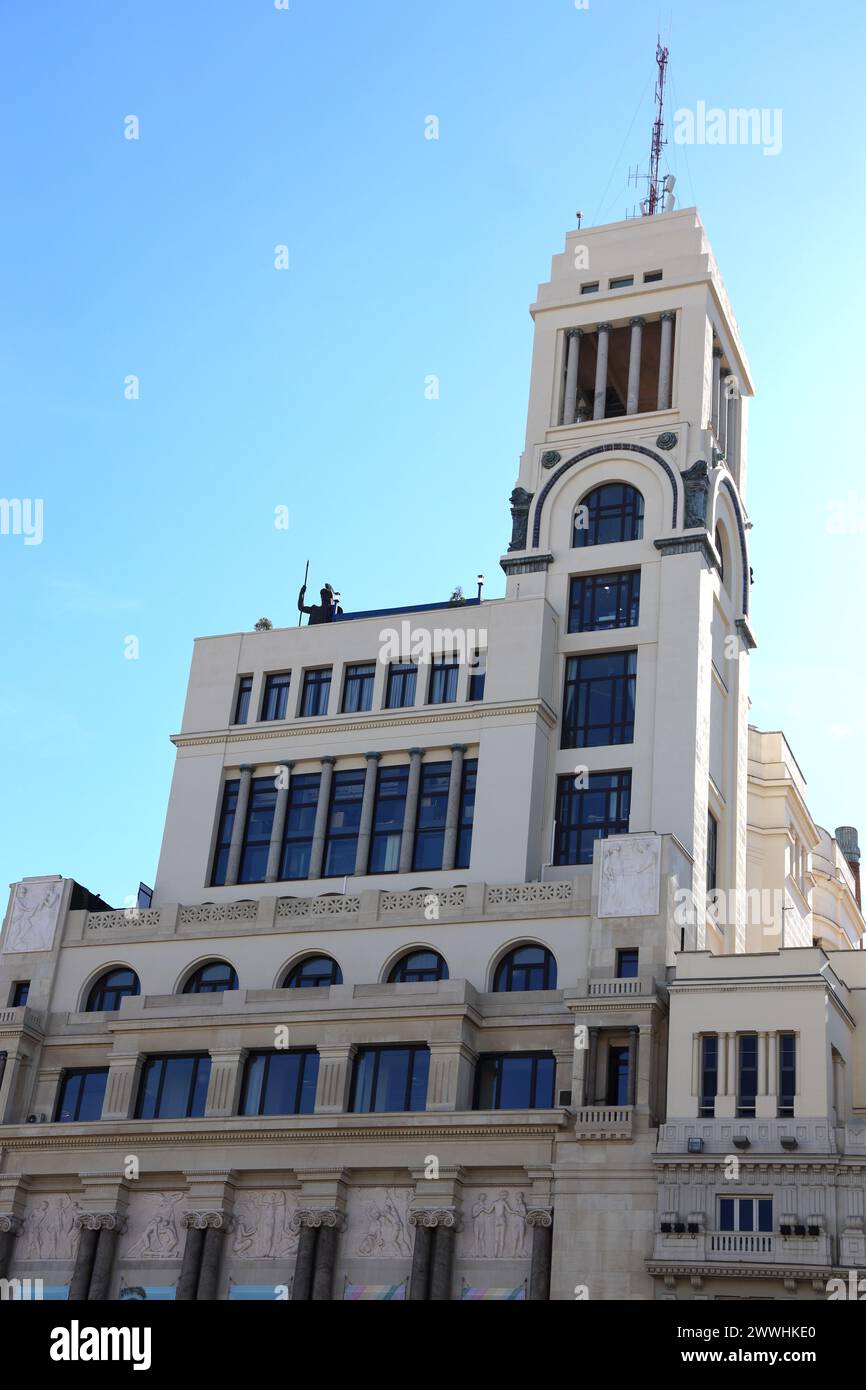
{"x":654,"y":195}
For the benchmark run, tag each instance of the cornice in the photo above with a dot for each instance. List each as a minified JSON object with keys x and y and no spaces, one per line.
{"x":745,"y":1271}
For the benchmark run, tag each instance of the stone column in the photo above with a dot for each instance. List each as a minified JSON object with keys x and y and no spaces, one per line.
{"x":79,"y":1287}
{"x":237,"y":841}
{"x":540,"y":1222}
{"x":721,"y":1064}
{"x":733,"y":435}
{"x":762,"y":1064}
{"x":187,"y":1283}
{"x":569,"y":412}
{"x":121,"y":1087}
{"x":633,"y":1034}
{"x":275,"y":848}
{"x":696,"y":1067}
{"x":10,"y":1227}
{"x":665,"y":361}
{"x":717,"y":373}
{"x":632,"y":401}
{"x":452,"y":813}
{"x":368,"y":802}
{"x":773,"y":1067}
{"x":110,"y":1226}
{"x":305,"y":1261}
{"x":226,"y":1073}
{"x":444,"y":1224}
{"x":410,"y":814}
{"x":419,"y":1283}
{"x":215,"y":1228}
{"x":323,"y":806}
{"x":317,"y":1253}
{"x":601,"y":371}
{"x":732,"y":1064}
{"x":326,"y":1258}
{"x":723,"y":411}
{"x":589,"y":1077}
{"x":332,"y":1086}
{"x":451,"y":1070}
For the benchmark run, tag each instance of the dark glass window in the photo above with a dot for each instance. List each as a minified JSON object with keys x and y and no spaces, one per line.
{"x":224,"y":832}
{"x":316,"y":692}
{"x":709,"y":1075}
{"x":787,"y":1074}
{"x":467,"y":813}
{"x":242,"y":704}
{"x":280,"y":1083}
{"x":344,"y":819}
{"x":627,"y":964}
{"x":598,"y":700}
{"x":610,"y":513}
{"x":212,"y":978}
{"x":419,"y":967}
{"x":516,"y":1081}
{"x":721,"y":549}
{"x":432,"y":809}
{"x":389,"y":1079}
{"x":388,"y":813}
{"x":477,"y":676}
{"x":601,"y":602}
{"x":358,"y":687}
{"x":590,"y":813}
{"x":275,"y":704}
{"x":617,"y":1076}
{"x":173,"y":1088}
{"x":525,"y":968}
{"x":443,"y":680}
{"x":712,"y":852}
{"x":402,"y":676}
{"x":106,"y":994}
{"x":81,"y":1094}
{"x":747,"y":1086}
{"x":314,"y":972}
{"x":257,"y":831}
{"x":19,"y":995}
{"x":746,"y":1214}
{"x":300,"y":823}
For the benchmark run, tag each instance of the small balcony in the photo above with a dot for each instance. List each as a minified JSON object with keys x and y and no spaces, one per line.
{"x":743,"y":1248}
{"x":603,"y":1122}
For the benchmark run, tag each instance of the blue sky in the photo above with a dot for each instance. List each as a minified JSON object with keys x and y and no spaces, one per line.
{"x":259,"y":388}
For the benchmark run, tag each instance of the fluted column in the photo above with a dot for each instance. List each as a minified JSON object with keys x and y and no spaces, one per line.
{"x":79,"y":1286}
{"x":110,"y":1225}
{"x":442,"y":1224}
{"x":540,"y":1222}
{"x":305,"y":1260}
{"x":216,"y":1224}
{"x":717,"y":373}
{"x":187,"y":1283}
{"x":410,"y":814}
{"x":368,"y":801}
{"x":323,"y":806}
{"x":633,"y":1034}
{"x":569,"y":412}
{"x":422,"y":1254}
{"x":317,"y":1253}
{"x":589,"y":1076}
{"x":275,"y":849}
{"x":632,"y":401}
{"x":10,"y":1227}
{"x":452,"y":813}
{"x":237,"y":841}
{"x":665,"y":361}
{"x":600,"y":401}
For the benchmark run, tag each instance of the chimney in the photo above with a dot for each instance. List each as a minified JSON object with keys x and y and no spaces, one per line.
{"x":846,"y":838}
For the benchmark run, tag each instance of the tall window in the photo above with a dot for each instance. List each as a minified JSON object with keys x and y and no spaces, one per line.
{"x":712,"y":852}
{"x":600,"y":602}
{"x":280,"y":1083}
{"x":418,"y":967}
{"x":390,"y":1079}
{"x":105,"y":995}
{"x":516,"y":1081}
{"x":443,"y":680}
{"x":432,"y":809}
{"x":300,"y":823}
{"x":610,"y":513}
{"x":598,"y":701}
{"x":344,"y":819}
{"x":588,"y":813}
{"x":314,"y":972}
{"x":358,"y":687}
{"x":747,"y":1083}
{"x":81,"y":1094}
{"x":617,"y":1076}
{"x":275,"y":704}
{"x":627,"y":964}
{"x":467,"y":813}
{"x":257,"y":831}
{"x":173,"y":1088}
{"x":402,"y":676}
{"x":316,"y":692}
{"x":242,"y":704}
{"x":746,"y":1214}
{"x":525,"y":968}
{"x":224,"y":832}
{"x":787,"y":1074}
{"x":213,"y":978}
{"x":709,"y":1074}
{"x":477,"y":676}
{"x":388,"y":813}
{"x":19,"y":994}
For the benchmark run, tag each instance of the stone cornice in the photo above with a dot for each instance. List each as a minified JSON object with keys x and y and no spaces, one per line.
{"x":745,"y":1271}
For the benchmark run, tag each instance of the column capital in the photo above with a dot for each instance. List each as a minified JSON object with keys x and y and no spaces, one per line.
{"x":416,"y":752}
{"x":540,"y":1216}
{"x":637,"y":322}
{"x":435,"y":1216}
{"x":328,"y":758}
{"x":372,"y":757}
{"x":668,"y":316}
{"x":574,"y":332}
{"x":10,"y":1225}
{"x":459,"y":747}
{"x":101,"y":1221}
{"x":205,"y":1220}
{"x":316,"y":1217}
{"x":718,"y":352}
{"x":603,"y":327}
{"x":284,"y":762}
{"x":247,"y":767}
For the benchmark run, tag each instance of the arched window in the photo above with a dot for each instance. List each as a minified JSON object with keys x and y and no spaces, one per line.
{"x":212,"y":978}
{"x":610,"y":513}
{"x":526,"y":967}
{"x":418,"y":967}
{"x":105,"y":995}
{"x":720,"y":547}
{"x":313,"y":973}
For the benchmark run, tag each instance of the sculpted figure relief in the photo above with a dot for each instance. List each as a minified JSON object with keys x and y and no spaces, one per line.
{"x":498,"y":1226}
{"x":158,"y":1236}
{"x":383,"y":1224}
{"x":34,"y":917}
{"x":263,"y":1226}
{"x":48,"y":1232}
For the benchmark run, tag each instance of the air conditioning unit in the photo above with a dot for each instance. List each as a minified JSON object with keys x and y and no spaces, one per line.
{"x":36,"y":1119}
{"x":694,"y":1228}
{"x":679,"y":1228}
{"x":799,"y":1230}
{"x":666,"y":1228}
{"x":564,"y":1098}
{"x":814,"y":1230}
{"x":785,"y":1230}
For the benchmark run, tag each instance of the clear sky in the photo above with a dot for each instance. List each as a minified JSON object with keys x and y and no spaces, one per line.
{"x":304,"y":387}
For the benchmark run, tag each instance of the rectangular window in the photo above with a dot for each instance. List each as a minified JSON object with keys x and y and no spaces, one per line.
{"x":443,"y":680}
{"x":432,"y":810}
{"x":280,"y":1083}
{"x":402,"y":676}
{"x":588,"y":813}
{"x":173,"y":1088}
{"x":344,"y":819}
{"x":358,"y":687}
{"x":242,"y":703}
{"x":387,"y":1079}
{"x":712,"y":852}
{"x":591,"y":287}
{"x":316,"y":692}
{"x":388,"y":814}
{"x":787,"y":1074}
{"x":81,"y":1095}
{"x":621,"y":282}
{"x":651,"y":276}
{"x":747,"y":1074}
{"x":515,"y":1081}
{"x":617,"y":1076}
{"x":467,"y":813}
{"x":477,"y":676}
{"x":746,"y":1214}
{"x":627,"y":964}
{"x":19,"y":994}
{"x":598,"y":699}
{"x":257,"y":831}
{"x":300,"y":822}
{"x":224,"y":832}
{"x":709,"y":1075}
{"x":275,"y":703}
{"x":602,"y":602}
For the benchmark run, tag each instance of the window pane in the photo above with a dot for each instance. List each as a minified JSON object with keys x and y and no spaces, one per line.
{"x":392,"y":1080}
{"x":515,"y":1089}
{"x":420,"y":1071}
{"x":489,"y":1068}
{"x":726,"y":1214}
{"x":92,"y":1095}
{"x":765,"y":1214}
{"x":70,"y":1095}
{"x":545,"y":1080}
{"x":199,"y":1095}
{"x":253,"y":1084}
{"x":177,"y":1082}
{"x":746,"y":1214}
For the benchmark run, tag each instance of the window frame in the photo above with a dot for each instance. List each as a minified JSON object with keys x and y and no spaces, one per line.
{"x":317,"y":681}
{"x":428,"y":833}
{"x":99,"y":985}
{"x":406,"y":674}
{"x":207,"y":965}
{"x":76,"y":1073}
{"x":746,"y":1101}
{"x":414,"y":1050}
{"x":361,"y":686}
{"x":442,"y":686}
{"x":224,"y":830}
{"x":431,"y":975}
{"x":508,"y":965}
{"x":582,"y":586}
{"x":300,"y":965}
{"x":564,"y":832}
{"x":709,"y":1043}
{"x":381,"y":836}
{"x":202,"y":1060}
{"x":758,"y":1205}
{"x":582,"y":692}
{"x":497,"y":1060}
{"x":275,"y":690}
{"x":243,"y":698}
{"x":630,"y":510}
{"x":354,"y":778}
{"x":268,"y":1054}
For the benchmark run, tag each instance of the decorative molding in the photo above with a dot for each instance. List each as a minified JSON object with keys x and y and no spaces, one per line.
{"x":540,"y":1216}
{"x":434,"y":1216}
{"x":688,"y":545}
{"x":667,"y":440}
{"x":101,"y":1221}
{"x":615,"y":448}
{"x":744,"y":629}
{"x":206,"y":1220}
{"x":530,"y":893}
{"x":550,"y":458}
{"x":316,"y":1217}
{"x":535,"y":565}
{"x":10,"y":1225}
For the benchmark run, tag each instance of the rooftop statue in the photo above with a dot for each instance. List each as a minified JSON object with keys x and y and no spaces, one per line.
{"x":324,"y":612}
